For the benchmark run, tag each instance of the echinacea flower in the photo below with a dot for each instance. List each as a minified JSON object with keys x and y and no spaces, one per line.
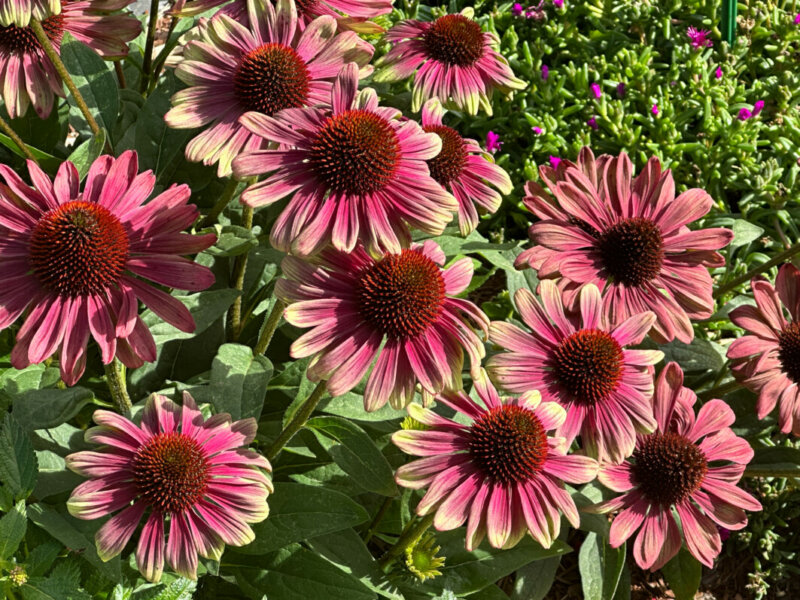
{"x":494,"y":468}
{"x":493,"y":142}
{"x":689,"y":465}
{"x":582,"y":363}
{"x":398,"y":307}
{"x":767,"y":359}
{"x":464,"y":169}
{"x":629,"y":236}
{"x":699,"y":38}
{"x":453,"y":59}
{"x":358,"y":173}
{"x":178,"y":472}
{"x":28,"y":77}
{"x":78,"y":260}
{"x":264,"y":65}
{"x":19,"y":12}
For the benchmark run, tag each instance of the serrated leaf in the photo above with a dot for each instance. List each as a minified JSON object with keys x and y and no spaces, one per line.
{"x":12,"y":530}
{"x":17,"y":460}
{"x":63,"y":583}
{"x":683,"y":574}
{"x":600,"y":566}
{"x":239,"y":381}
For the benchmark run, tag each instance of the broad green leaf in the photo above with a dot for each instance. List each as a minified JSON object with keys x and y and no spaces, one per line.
{"x":95,"y":81}
{"x":745,"y":232}
{"x":534,"y":581}
{"x":206,"y":307}
{"x":12,"y":530}
{"x":239,"y":381}
{"x":232,"y":240}
{"x":15,"y":382}
{"x":777,"y":461}
{"x":63,"y":583}
{"x":84,"y":155}
{"x":54,"y":477}
{"x":351,"y":406}
{"x":17,"y":460}
{"x":299,"y":512}
{"x":700,"y":355}
{"x":355,"y":452}
{"x":45,"y":160}
{"x":600,"y":566}
{"x":45,"y":409}
{"x":683,"y":575}
{"x":293,"y":573}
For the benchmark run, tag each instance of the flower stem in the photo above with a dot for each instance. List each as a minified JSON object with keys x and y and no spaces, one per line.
{"x":780,"y":258}
{"x":51,"y":53}
{"x":6,"y":127}
{"x":158,"y":63}
{"x":720,"y":390}
{"x":239,"y":270}
{"x":298,"y":421}
{"x":147,"y":61}
{"x":224,"y":199}
{"x":409,"y":536}
{"x":115,"y":377}
{"x":373,"y":526}
{"x":120,"y":75}
{"x":270,"y":326}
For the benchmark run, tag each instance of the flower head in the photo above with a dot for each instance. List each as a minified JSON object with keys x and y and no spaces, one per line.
{"x":554,"y":161}
{"x":397,"y":307}
{"x":621,"y":89}
{"x":493,"y":143}
{"x":583,"y":364}
{"x":78,"y":260}
{"x":356,"y":173}
{"x":592,"y":122}
{"x":718,"y":73}
{"x":19,"y":12}
{"x":597,"y":92}
{"x":758,"y":107}
{"x":654,"y":110}
{"x":263,"y":64}
{"x":629,"y":236}
{"x":558,"y":3}
{"x":691,"y":465}
{"x":464,"y":169}
{"x":767,"y":359}
{"x":182,"y":471}
{"x":545,"y":72}
{"x":453,"y":60}
{"x":28,"y":77}
{"x":537,"y":130}
{"x":517,"y":9}
{"x":744,"y":114}
{"x":496,"y":469}
{"x":797,"y":19}
{"x":699,"y":38}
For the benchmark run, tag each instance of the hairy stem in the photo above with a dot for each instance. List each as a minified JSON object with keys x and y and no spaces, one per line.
{"x":299,"y":419}
{"x":780,"y":258}
{"x":239,"y":270}
{"x":6,"y":127}
{"x":115,"y":377}
{"x":224,"y":199}
{"x":270,"y":326}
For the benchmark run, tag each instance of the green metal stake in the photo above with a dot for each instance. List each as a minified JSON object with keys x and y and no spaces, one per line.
{"x":728,"y":25}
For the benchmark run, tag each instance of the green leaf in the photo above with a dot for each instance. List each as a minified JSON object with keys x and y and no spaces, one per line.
{"x":700,"y":355}
{"x":84,"y":155}
{"x":299,"y":512}
{"x":94,"y":79}
{"x":232,"y":240}
{"x":294,"y":573}
{"x":17,"y":460}
{"x":355,"y":452}
{"x":600,"y":566}
{"x":45,"y":160}
{"x":534,"y":581}
{"x":12,"y":530}
{"x":745,"y":232}
{"x":45,"y":409}
{"x":776,"y":461}
{"x":239,"y":381}
{"x":15,"y":382}
{"x":76,"y":535}
{"x":63,"y":583}
{"x":683,"y":575}
{"x":206,"y":307}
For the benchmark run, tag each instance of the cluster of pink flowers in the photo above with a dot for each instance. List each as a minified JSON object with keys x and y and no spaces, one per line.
{"x":535,"y":13}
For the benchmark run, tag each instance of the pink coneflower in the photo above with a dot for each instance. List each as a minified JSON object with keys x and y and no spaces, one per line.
{"x":597,"y":92}
{"x":592,"y":122}
{"x":76,"y":259}
{"x":265,"y":66}
{"x":517,"y":9}
{"x":493,"y":143}
{"x":583,"y":364}
{"x":19,"y":12}
{"x":453,"y":60}
{"x":464,"y":169}
{"x":545,"y":72}
{"x":495,"y":469}
{"x":629,"y":236}
{"x":699,"y":38}
{"x":689,"y":464}
{"x":358,"y":173}
{"x":758,"y":107}
{"x":767,"y":359}
{"x":189,"y":474}
{"x":718,"y":73}
{"x":397,"y":307}
{"x":27,"y":77}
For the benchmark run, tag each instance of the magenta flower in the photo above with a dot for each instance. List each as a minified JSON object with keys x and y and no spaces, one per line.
{"x":629,"y":236}
{"x":758,"y":107}
{"x":545,"y":72}
{"x":19,"y":12}
{"x":27,"y":77}
{"x":767,"y":359}
{"x":744,"y":114}
{"x":583,"y":364}
{"x":592,"y":122}
{"x":689,"y":464}
{"x":495,"y":468}
{"x":453,"y":60}
{"x":654,"y":110}
{"x":554,"y":161}
{"x":464,"y":169}
{"x":596,"y":91}
{"x":517,"y":9}
{"x":78,"y":260}
{"x":558,"y":3}
{"x":537,"y":130}
{"x":493,"y":143}
{"x":358,"y":173}
{"x":718,"y":73}
{"x":621,"y":89}
{"x":797,"y":19}
{"x":262,"y":64}
{"x":184,"y":471}
{"x":398,"y":307}
{"x":699,"y":38}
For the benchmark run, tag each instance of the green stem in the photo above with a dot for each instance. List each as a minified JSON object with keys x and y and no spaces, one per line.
{"x":299,"y":419}
{"x":158,"y":63}
{"x":51,"y":53}
{"x":720,"y":390}
{"x":147,"y":61}
{"x":765,"y":471}
{"x":780,"y":258}
{"x":373,"y":526}
{"x":6,"y":127}
{"x":270,"y":326}
{"x":224,"y":199}
{"x":239,"y":270}
{"x":120,"y":75}
{"x":411,"y":535}
{"x":115,"y":377}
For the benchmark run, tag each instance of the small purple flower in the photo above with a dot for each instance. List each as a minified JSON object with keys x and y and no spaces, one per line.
{"x":758,"y":107}
{"x":718,"y":73}
{"x":545,"y":72}
{"x":554,"y":161}
{"x":535,"y":13}
{"x":517,"y":9}
{"x":655,"y":110}
{"x":744,"y":114}
{"x":596,"y":91}
{"x":558,"y":3}
{"x":797,"y":19}
{"x":621,"y":89}
{"x":724,"y":533}
{"x":493,"y":142}
{"x":537,"y":130}
{"x":593,"y":123}
{"x":699,"y":38}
